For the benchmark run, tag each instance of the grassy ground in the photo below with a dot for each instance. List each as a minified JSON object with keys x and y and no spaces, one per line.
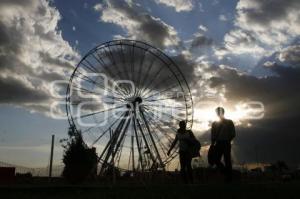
{"x":286,"y":190}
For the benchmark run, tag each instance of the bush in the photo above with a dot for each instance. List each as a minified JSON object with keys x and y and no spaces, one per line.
{"x":80,"y":161}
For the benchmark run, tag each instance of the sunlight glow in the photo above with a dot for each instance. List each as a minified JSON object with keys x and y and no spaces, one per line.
{"x":204,"y":116}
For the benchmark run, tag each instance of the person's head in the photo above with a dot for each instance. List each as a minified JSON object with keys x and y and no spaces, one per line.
{"x":182,"y":124}
{"x":220,"y":112}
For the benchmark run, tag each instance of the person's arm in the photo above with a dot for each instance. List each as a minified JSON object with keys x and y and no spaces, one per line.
{"x":233,"y":133}
{"x":213,"y":133}
{"x":172,"y":145}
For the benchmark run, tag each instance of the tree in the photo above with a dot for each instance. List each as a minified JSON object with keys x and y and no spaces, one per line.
{"x":80,"y":161}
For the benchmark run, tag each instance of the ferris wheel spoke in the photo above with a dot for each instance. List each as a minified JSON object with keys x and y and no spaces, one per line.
{"x":141,"y":67}
{"x":111,"y":125}
{"x":90,"y":67}
{"x":79,"y":88}
{"x":155,"y":122}
{"x":170,"y":139}
{"x":101,"y":61}
{"x":100,"y":122}
{"x":96,"y":83}
{"x":132,"y":63}
{"x":150,"y":91}
{"x":118,"y":74}
{"x":78,"y":102}
{"x":123,"y":59}
{"x":163,"y":147}
{"x":147,"y":73}
{"x":119,"y":71}
{"x":117,"y":65}
{"x":96,"y":93}
{"x":155,"y":118}
{"x":166,"y":114}
{"x":158,"y":140}
{"x":112,"y":60}
{"x":163,"y":81}
{"x":165,"y":106}
{"x":98,"y":112}
{"x":161,"y":99}
{"x":122,"y":56}
{"x":154,"y":77}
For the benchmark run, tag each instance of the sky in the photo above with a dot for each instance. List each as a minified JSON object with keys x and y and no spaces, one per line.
{"x":234,"y":53}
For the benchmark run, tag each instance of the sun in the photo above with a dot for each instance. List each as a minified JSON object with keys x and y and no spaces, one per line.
{"x":204,"y":116}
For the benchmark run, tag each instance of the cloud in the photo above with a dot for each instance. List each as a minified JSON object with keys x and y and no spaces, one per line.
{"x":274,"y":23}
{"x":203,"y":28}
{"x":291,"y":55}
{"x":138,"y":24}
{"x":32,"y":53}
{"x":223,"y":17}
{"x":98,"y":7}
{"x":240,"y":42}
{"x":200,"y":41}
{"x":178,"y":5}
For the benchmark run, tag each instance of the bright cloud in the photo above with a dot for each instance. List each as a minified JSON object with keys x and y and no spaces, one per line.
{"x":178,"y":5}
{"x":263,"y":27}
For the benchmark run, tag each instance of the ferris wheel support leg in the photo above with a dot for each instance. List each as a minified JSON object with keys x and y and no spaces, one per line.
{"x":122,"y":134}
{"x":145,"y":140}
{"x":111,"y":144}
{"x":151,"y":137}
{"x":140,"y":160}
{"x":132,"y":152}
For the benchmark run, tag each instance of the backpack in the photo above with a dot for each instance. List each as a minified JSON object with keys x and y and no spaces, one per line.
{"x":194,"y":145}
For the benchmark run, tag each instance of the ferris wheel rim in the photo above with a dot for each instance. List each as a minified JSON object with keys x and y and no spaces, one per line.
{"x":161,"y":53}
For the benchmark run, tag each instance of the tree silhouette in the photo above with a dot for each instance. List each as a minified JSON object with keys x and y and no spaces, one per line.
{"x":80,"y":161}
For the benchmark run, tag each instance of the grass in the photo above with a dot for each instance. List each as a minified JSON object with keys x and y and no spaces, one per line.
{"x":283,"y":190}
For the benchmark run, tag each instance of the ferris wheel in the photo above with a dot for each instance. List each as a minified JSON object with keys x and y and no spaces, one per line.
{"x":127,"y":98}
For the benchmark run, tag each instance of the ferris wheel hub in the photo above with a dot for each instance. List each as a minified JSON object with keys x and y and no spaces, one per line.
{"x":134,"y":102}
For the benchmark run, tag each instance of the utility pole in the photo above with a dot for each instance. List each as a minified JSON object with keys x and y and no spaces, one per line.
{"x":51,"y":156}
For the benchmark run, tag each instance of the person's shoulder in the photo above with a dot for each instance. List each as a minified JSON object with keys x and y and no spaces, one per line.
{"x":229,"y":121}
{"x":214,"y":123}
{"x":189,"y":131}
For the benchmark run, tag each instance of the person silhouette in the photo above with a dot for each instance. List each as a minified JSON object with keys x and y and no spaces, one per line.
{"x":185,"y":137}
{"x":222,"y":133}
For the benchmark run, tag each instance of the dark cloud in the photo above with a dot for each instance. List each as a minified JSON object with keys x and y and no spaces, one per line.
{"x":267,"y":11}
{"x":139,"y":24}
{"x":19,"y":3}
{"x":32,"y":54}
{"x":56,"y":61}
{"x":290,"y":55}
{"x":15,"y":91}
{"x":186,"y":65}
{"x":201,"y":41}
{"x":11,"y":39}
